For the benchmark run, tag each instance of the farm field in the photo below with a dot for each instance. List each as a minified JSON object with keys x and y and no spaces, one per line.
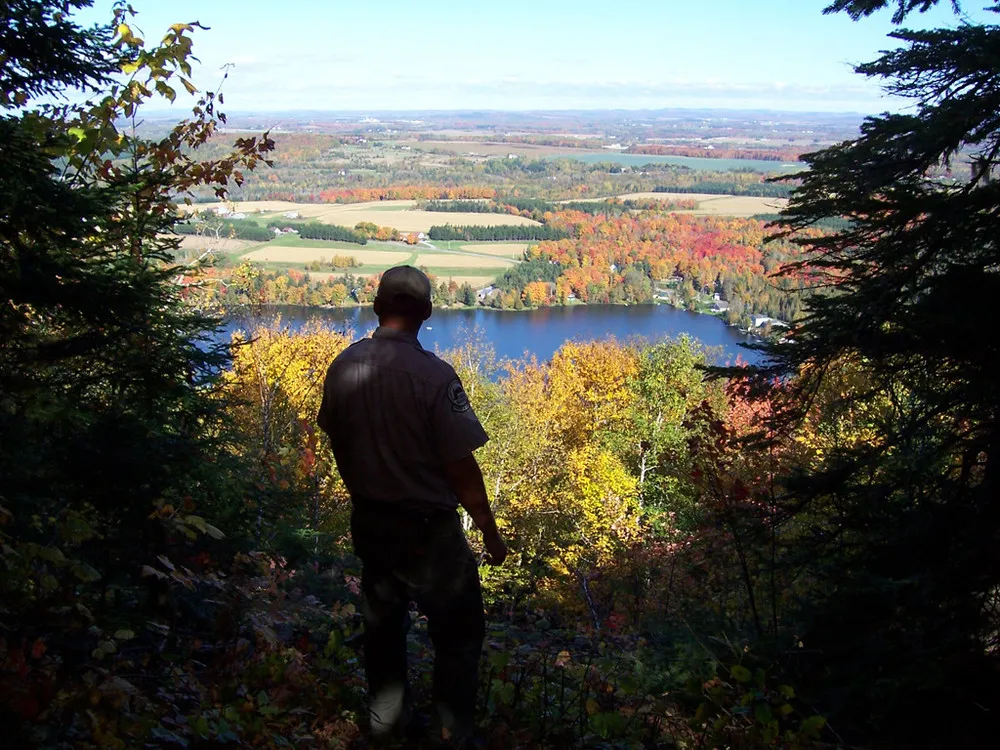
{"x":399,"y":215}
{"x":307,"y":254}
{"x":720,"y":205}
{"x":219,"y":244}
{"x":455,"y":260}
{"x":511,"y":250}
{"x":478,"y":270}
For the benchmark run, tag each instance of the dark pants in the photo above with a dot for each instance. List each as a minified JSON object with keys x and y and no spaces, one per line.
{"x":422,"y":557}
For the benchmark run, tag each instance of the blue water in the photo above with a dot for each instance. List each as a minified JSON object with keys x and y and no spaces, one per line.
{"x":541,"y":332}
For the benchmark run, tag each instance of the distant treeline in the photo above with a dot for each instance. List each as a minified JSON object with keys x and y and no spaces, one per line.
{"x":832,"y":224}
{"x":757,"y":189}
{"x":755,"y":154}
{"x":516,"y":233}
{"x":316,"y":231}
{"x":233,"y":228}
{"x":536,"y":208}
{"x":614,"y":207}
{"x":464,"y":207}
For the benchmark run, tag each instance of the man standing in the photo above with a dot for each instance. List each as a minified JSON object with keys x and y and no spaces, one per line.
{"x":403,"y":433}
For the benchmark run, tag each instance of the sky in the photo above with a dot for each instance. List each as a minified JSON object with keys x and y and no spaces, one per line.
{"x":333,"y":55}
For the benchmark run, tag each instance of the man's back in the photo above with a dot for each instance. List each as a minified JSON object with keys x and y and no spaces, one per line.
{"x":403,"y":433}
{"x":396,"y":415}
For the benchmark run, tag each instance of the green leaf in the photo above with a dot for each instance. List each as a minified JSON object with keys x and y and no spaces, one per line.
{"x":201,"y":727}
{"x":197,"y":521}
{"x":74,"y":527}
{"x":812,"y":725}
{"x":786,"y":690}
{"x":50,"y":554}
{"x":762,"y":713}
{"x":740,"y":673}
{"x":85,"y":573}
{"x":166,"y":91}
{"x":204,"y":526}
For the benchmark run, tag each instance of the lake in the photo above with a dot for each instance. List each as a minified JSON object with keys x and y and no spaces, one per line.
{"x":692,"y":162}
{"x":541,"y":332}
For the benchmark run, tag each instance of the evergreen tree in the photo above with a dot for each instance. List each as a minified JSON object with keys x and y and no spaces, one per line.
{"x":903,"y":527}
{"x":110,"y":439}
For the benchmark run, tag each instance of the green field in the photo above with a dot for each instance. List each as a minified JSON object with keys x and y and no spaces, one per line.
{"x":376,"y":257}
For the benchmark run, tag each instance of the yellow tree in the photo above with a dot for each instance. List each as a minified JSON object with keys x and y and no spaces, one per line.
{"x":536,"y":293}
{"x":567,"y":503}
{"x":588,"y":385}
{"x":276,"y":386}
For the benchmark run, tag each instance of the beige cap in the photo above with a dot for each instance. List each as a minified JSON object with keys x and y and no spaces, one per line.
{"x":404,"y":281}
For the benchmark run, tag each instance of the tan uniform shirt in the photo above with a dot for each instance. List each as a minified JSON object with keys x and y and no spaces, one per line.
{"x":396,"y":414}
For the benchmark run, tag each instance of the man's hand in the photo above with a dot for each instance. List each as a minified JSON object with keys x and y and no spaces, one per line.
{"x":467,"y":483}
{"x":496,"y":549}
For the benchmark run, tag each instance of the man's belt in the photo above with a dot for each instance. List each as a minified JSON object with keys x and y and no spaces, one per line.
{"x":408,"y":509}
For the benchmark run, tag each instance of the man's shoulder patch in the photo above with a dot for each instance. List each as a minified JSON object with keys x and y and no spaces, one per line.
{"x":456,"y":394}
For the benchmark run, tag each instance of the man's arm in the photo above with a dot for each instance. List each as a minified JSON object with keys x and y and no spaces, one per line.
{"x":466,"y":482}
